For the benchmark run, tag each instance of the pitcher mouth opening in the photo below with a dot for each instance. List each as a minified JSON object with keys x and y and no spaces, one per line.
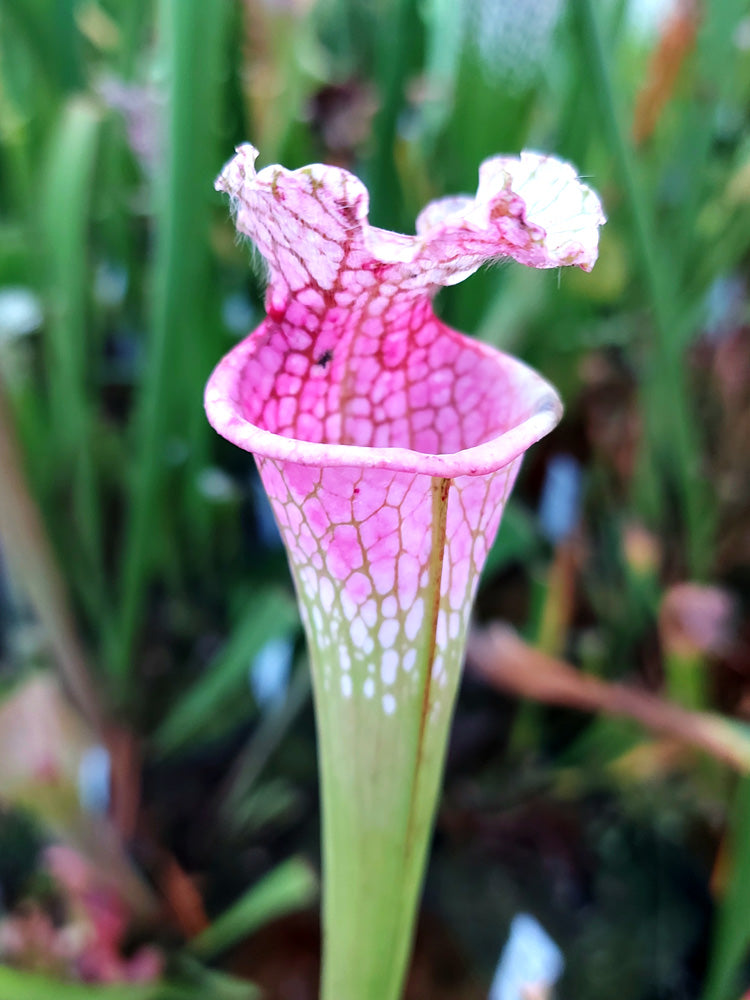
{"x":527,"y":404}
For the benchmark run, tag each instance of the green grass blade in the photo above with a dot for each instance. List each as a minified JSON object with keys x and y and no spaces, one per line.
{"x":65,"y":217}
{"x":291,"y":886}
{"x":171,"y":385}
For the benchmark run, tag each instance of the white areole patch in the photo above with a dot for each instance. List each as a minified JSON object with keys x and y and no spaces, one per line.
{"x":358,"y":632}
{"x":346,"y":685}
{"x":327,"y":594}
{"x":389,"y":704}
{"x":454,"y":628}
{"x":349,"y":606}
{"x":389,"y":606}
{"x":369,"y":612}
{"x":441,"y":632}
{"x":389,"y":666}
{"x":413,"y":621}
{"x":388,"y":632}
{"x":369,"y":687}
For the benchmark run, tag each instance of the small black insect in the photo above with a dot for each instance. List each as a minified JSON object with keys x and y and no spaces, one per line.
{"x":324,"y":358}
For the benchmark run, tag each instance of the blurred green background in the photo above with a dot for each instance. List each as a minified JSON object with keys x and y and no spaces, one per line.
{"x":157,"y":763}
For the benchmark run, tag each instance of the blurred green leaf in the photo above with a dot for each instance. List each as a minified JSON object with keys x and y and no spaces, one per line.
{"x":672,"y":441}
{"x":25,"y":543}
{"x":732,"y":931}
{"x":49,"y":33}
{"x":65,"y":207}
{"x":181,"y":312}
{"x":17,"y":985}
{"x":271,"y":613}
{"x":290,"y":886}
{"x":65,"y":222}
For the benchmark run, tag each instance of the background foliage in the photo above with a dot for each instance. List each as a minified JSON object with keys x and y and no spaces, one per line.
{"x":141,"y":565}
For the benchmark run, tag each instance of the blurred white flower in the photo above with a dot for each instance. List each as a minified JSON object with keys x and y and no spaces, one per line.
{"x":94,"y":779}
{"x":20,"y":312}
{"x":270,"y":672}
{"x":530,"y":963}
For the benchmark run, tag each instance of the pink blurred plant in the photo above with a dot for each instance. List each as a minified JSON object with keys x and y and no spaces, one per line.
{"x":87,"y":944}
{"x":388,"y":444}
{"x":696,"y":620}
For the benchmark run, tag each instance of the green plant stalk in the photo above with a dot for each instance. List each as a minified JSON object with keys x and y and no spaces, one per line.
{"x":376,"y":830}
{"x":671,"y":429}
